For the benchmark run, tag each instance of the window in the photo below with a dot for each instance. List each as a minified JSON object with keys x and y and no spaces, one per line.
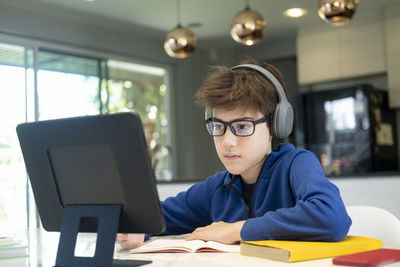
{"x":144,"y":90}
{"x":15,"y":72}
{"x":69,"y":85}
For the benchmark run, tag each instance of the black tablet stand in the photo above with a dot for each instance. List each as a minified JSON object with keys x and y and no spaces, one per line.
{"x":107,"y":218}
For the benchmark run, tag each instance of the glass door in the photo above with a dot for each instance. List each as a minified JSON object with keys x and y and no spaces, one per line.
{"x":16,"y":75}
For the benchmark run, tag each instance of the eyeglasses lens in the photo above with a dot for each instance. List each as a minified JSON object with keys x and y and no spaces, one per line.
{"x":239,"y":128}
{"x":243,"y":128}
{"x":215,"y":128}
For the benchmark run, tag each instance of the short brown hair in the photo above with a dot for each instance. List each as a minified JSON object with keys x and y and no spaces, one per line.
{"x":244,"y":88}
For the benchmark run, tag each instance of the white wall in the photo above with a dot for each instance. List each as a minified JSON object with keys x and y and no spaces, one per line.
{"x":383,"y":192}
{"x":171,"y":189}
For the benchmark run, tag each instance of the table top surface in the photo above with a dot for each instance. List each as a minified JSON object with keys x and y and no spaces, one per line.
{"x":43,"y":249}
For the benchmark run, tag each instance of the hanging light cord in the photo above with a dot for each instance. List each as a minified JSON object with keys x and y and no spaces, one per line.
{"x":247,"y":5}
{"x":178,"y":12}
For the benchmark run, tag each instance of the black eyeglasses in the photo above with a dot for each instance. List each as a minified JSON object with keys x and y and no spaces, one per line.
{"x":239,"y":127}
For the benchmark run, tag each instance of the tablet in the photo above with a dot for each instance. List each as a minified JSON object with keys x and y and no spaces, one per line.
{"x":92,"y":160}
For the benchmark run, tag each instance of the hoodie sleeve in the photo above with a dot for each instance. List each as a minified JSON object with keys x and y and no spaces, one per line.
{"x":190,"y":209}
{"x":318,"y":214}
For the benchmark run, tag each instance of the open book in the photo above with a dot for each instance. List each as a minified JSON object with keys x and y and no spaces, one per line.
{"x":168,"y":244}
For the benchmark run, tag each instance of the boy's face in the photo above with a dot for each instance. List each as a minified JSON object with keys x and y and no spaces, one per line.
{"x":243,"y":155}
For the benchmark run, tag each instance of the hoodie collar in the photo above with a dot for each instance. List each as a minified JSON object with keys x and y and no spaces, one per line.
{"x":269,"y":161}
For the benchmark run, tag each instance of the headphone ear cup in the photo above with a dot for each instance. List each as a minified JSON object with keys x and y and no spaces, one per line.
{"x":274,"y":119}
{"x":283,"y":120}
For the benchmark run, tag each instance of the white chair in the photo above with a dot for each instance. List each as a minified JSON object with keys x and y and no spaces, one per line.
{"x":376,"y":223}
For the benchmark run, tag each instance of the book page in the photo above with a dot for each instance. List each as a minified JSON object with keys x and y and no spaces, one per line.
{"x":170,"y":244}
{"x":210,"y":246}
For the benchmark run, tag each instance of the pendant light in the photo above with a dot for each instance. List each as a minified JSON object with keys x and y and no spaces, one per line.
{"x":180,"y":42}
{"x":337,"y":12}
{"x":248,"y":26}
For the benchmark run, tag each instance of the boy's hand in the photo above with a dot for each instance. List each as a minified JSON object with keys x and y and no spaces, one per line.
{"x":227,"y":233}
{"x":129,"y":241}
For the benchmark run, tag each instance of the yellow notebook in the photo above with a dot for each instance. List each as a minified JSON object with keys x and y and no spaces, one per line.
{"x":291,"y":251}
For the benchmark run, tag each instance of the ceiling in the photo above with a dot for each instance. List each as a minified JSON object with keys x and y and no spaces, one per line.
{"x":157,"y":17}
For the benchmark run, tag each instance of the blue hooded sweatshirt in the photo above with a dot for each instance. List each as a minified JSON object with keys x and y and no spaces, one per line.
{"x":293,"y":200}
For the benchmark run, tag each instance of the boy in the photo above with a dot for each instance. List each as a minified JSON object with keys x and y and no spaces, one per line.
{"x":264,"y":193}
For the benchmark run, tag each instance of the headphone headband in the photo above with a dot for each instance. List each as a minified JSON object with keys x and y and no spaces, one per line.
{"x":269,"y":76}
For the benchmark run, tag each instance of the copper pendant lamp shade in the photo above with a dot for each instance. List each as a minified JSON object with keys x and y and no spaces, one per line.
{"x":337,"y":12}
{"x":248,"y":27}
{"x":180,"y":42}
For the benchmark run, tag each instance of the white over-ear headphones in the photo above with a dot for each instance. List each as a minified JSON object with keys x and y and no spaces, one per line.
{"x":282,"y":119}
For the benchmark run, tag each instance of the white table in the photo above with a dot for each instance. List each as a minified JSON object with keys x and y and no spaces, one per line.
{"x":43,"y":249}
{"x":215,"y":260}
